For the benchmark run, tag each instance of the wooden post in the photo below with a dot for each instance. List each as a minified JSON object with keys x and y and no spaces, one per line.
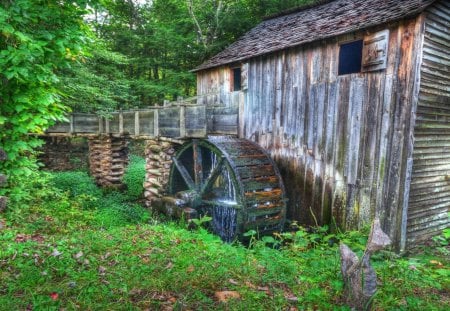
{"x":182,"y":121}
{"x":106,"y":126}
{"x":100,"y":124}
{"x":121,"y":122}
{"x":241,"y":114}
{"x":156,"y":123}
{"x":71,"y":123}
{"x":136,"y":123}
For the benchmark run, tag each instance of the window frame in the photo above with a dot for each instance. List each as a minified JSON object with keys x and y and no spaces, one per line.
{"x":360,"y":56}
{"x":233,"y":70}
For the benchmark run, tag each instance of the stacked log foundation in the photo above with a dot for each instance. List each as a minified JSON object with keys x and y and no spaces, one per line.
{"x":158,"y":155}
{"x":108,"y":159}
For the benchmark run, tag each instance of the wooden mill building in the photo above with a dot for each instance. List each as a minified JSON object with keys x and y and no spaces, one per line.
{"x":352,"y":100}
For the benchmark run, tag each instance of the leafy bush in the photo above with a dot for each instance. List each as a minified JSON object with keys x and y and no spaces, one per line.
{"x":79,"y":186}
{"x":76,"y":183}
{"x":134,"y":177}
{"x":36,"y":39}
{"x":114,"y":208}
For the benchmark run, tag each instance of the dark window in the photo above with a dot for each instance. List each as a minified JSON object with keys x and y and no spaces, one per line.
{"x":237,"y":79}
{"x":350,"y":56}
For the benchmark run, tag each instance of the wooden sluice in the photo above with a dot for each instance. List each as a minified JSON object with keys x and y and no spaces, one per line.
{"x":176,"y":120}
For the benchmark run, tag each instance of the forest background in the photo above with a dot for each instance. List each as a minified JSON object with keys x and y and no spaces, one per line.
{"x":143,"y":51}
{"x":103,"y":55}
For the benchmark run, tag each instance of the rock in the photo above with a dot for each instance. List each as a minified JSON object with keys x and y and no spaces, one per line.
{"x":154,"y":172}
{"x":170,"y":151}
{"x":155,"y":157}
{"x":165,"y":145}
{"x":360,"y":279}
{"x":377,"y":238}
{"x":153,"y":190}
{"x":155,"y":148}
{"x":151,"y":142}
{"x":152,"y":182}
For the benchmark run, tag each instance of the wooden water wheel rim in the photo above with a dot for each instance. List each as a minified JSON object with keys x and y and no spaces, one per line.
{"x":259,"y":191}
{"x":198,"y":184}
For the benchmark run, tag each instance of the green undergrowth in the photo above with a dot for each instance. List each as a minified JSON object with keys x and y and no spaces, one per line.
{"x":113,"y":208}
{"x":75,"y":247}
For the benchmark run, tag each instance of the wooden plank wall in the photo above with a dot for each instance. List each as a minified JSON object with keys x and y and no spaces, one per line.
{"x":429,"y":198}
{"x":339,"y":141}
{"x":222,"y":108}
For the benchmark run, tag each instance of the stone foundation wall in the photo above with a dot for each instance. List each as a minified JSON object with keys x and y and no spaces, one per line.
{"x":64,"y":154}
{"x":108,"y":159}
{"x":158,"y":156}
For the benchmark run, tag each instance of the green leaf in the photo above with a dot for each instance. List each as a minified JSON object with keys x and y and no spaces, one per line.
{"x":250,"y":233}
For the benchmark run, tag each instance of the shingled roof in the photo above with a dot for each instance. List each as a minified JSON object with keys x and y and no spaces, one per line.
{"x":312,"y":24}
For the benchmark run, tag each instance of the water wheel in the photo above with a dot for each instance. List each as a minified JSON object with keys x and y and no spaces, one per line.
{"x":232,"y":180}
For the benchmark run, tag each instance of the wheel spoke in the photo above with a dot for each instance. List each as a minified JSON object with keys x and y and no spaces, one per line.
{"x":212,"y":177}
{"x":184,"y":174}
{"x":198,"y":164}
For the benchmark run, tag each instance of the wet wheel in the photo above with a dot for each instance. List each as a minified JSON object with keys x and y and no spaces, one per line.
{"x":232,"y":180}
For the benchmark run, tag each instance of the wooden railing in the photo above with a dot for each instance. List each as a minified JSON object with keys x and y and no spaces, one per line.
{"x":181,"y":119}
{"x":214,"y":113}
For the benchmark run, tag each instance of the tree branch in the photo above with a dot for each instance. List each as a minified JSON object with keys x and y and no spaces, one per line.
{"x":197,"y":24}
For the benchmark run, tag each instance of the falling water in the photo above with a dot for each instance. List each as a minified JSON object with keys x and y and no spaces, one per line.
{"x":224,"y":214}
{"x":213,"y":162}
{"x":230,"y":190}
{"x":224,"y":222}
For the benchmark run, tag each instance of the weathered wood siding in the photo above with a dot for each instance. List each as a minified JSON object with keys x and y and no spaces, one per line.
{"x":429,"y":199}
{"x":340,"y":141}
{"x":222,"y":107}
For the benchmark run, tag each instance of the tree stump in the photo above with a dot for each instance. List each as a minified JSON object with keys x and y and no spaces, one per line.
{"x":360,"y":279}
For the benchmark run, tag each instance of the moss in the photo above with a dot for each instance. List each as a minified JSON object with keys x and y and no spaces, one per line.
{"x":381,"y":169}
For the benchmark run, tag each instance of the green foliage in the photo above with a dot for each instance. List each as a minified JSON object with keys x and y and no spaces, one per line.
{"x":161,"y":41}
{"x":113,"y":208}
{"x":134,"y":177}
{"x":199,"y":222}
{"x":56,"y":248}
{"x":76,"y":183}
{"x":36,"y":38}
{"x":53,"y":256}
{"x":442,"y":241}
{"x":97,"y":83}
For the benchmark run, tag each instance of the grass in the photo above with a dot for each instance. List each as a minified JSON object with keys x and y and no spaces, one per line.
{"x":90,"y":250}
